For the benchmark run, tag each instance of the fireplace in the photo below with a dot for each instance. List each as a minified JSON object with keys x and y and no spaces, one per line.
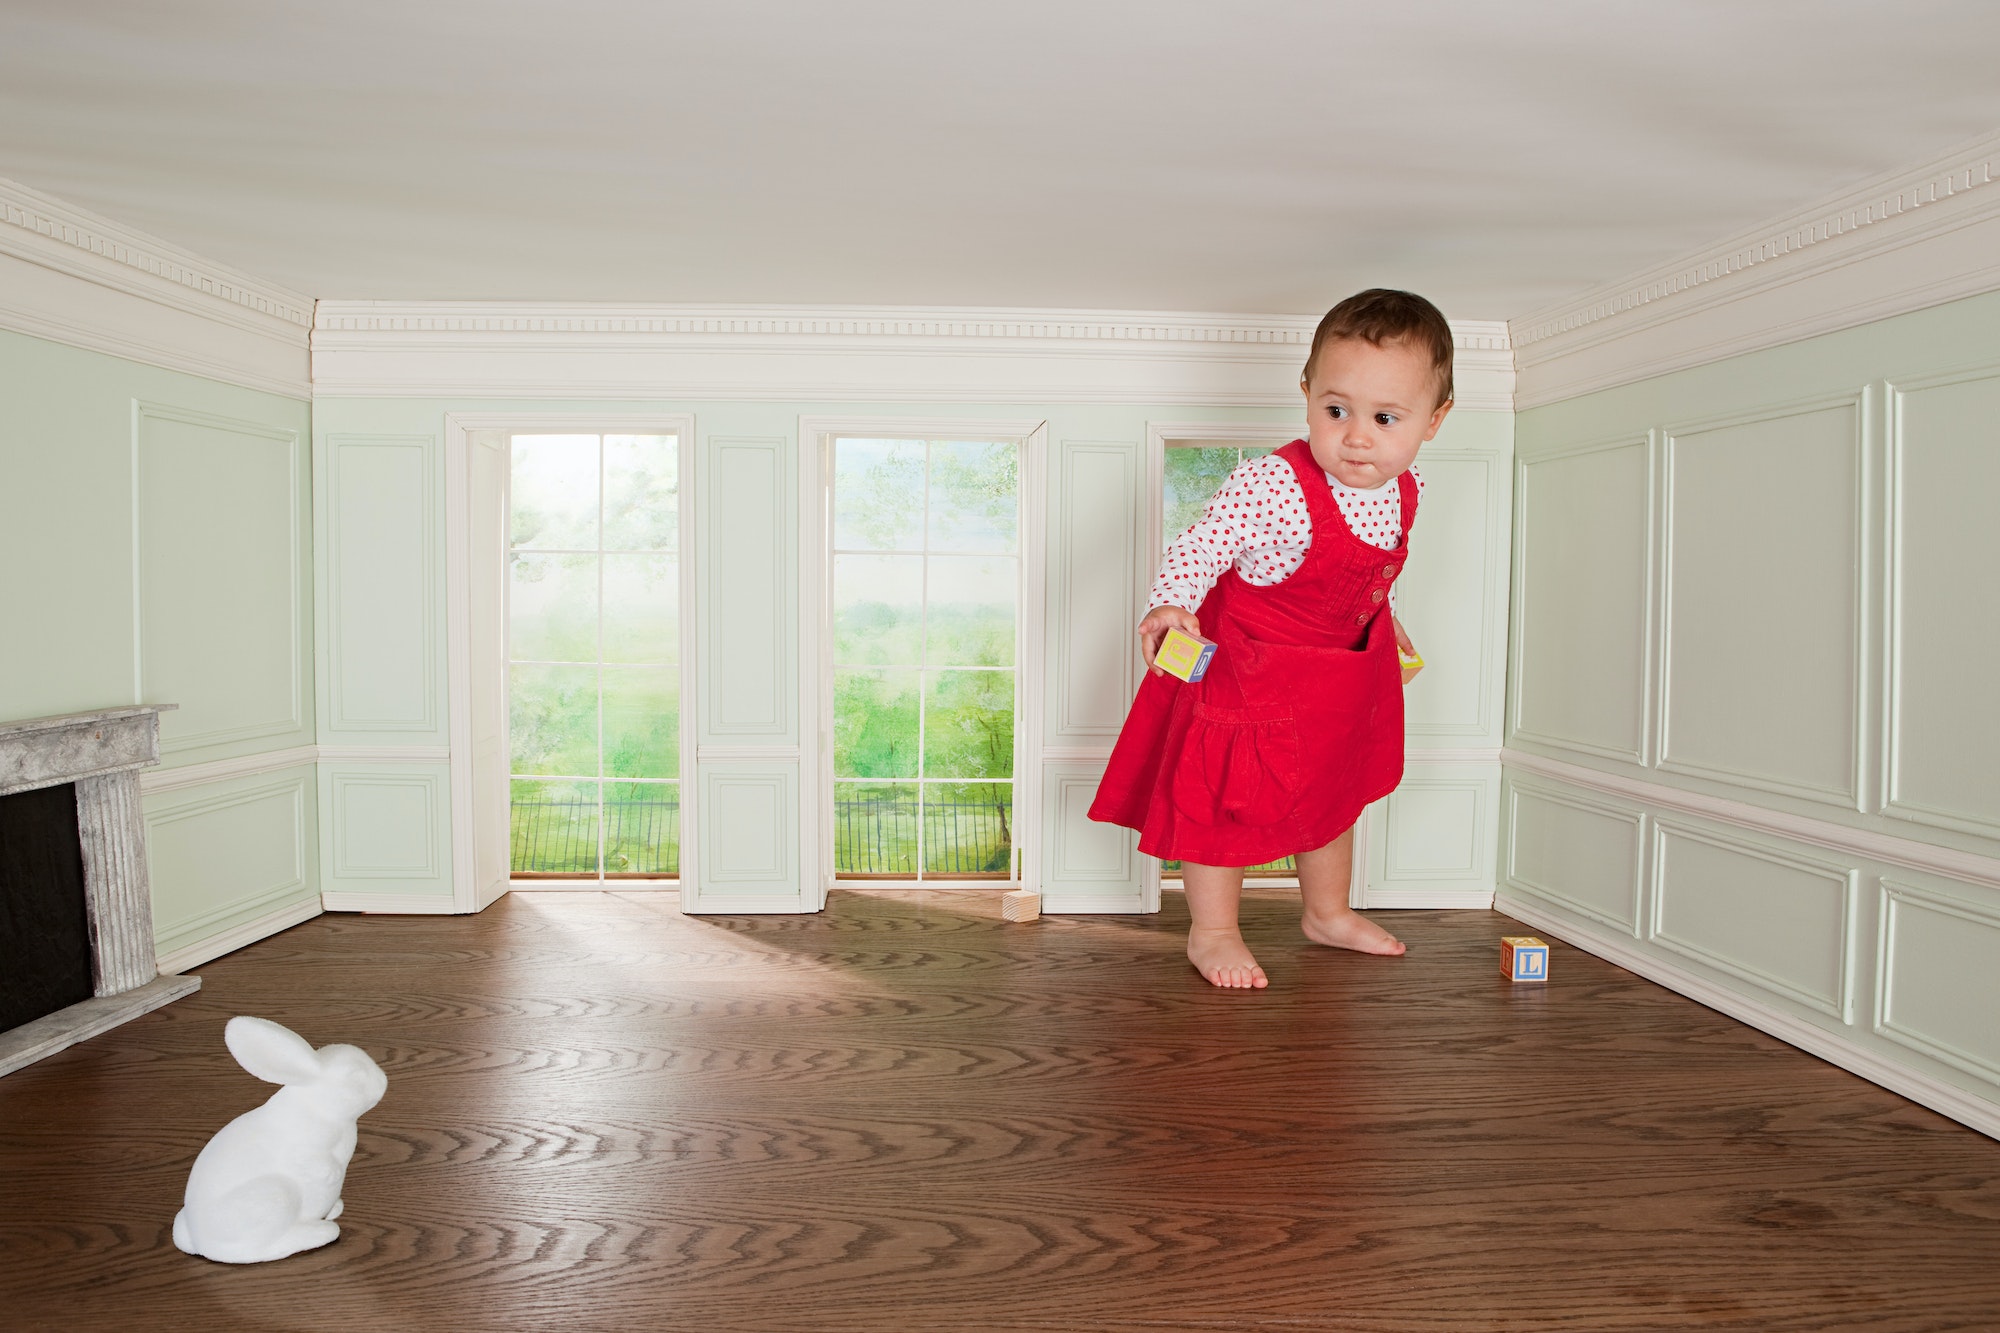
{"x":74,"y":899}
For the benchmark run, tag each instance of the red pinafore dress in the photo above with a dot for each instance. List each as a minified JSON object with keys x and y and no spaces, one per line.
{"x":1298,"y":724}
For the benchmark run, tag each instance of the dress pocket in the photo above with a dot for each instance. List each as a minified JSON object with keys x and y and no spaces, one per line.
{"x":1238,"y":765}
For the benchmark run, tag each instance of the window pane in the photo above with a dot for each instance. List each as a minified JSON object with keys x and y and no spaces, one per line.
{"x":641,"y":493}
{"x":874,"y":828}
{"x":554,"y":495}
{"x":878,"y":495}
{"x":971,"y":620}
{"x":552,"y":608}
{"x":875,"y":724}
{"x":968,"y":828}
{"x":878,"y":606}
{"x":554,"y":827}
{"x":642,"y":608}
{"x":1192,"y":475}
{"x":974,"y":496}
{"x":642,"y":828}
{"x":552,"y":720}
{"x":642,"y":733}
{"x":968,"y":724}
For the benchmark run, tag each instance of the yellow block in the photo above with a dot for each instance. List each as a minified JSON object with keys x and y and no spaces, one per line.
{"x":1184,"y":655}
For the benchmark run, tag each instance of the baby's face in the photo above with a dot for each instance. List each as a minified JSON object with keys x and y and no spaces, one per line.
{"x":1370,"y":408}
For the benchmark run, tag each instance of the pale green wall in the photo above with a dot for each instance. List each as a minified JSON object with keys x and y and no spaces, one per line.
{"x":157,"y":534}
{"x":745,"y":501}
{"x":1771,"y":581}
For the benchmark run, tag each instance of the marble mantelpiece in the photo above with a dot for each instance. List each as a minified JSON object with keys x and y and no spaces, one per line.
{"x":102,"y":753}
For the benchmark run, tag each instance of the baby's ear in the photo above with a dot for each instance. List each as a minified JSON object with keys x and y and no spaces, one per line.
{"x":271,"y":1051}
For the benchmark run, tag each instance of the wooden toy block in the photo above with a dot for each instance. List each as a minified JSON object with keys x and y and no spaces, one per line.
{"x":1410,"y":662}
{"x":1524,"y":958}
{"x":1020,"y":905}
{"x":1184,"y":655}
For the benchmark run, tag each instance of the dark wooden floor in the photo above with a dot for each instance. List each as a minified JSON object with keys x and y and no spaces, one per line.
{"x":905,"y":1114}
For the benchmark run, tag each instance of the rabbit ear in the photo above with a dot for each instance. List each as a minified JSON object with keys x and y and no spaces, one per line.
{"x":270,"y":1050}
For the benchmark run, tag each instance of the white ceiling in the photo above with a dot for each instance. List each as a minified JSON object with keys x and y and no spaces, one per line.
{"x":1146,"y":154}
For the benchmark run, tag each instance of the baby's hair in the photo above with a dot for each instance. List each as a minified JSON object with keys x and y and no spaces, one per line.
{"x":1383,"y":315}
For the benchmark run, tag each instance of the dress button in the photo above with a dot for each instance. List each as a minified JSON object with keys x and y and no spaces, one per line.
{"x":1388,"y":571}
{"x":1361,"y":619}
{"x":1377,"y":595}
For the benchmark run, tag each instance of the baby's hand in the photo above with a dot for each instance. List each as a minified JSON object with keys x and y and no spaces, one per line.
{"x":1406,"y":649}
{"x":1155,"y":626}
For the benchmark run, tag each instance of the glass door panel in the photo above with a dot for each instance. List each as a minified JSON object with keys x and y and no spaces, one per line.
{"x":594,"y":655}
{"x":924,"y":609}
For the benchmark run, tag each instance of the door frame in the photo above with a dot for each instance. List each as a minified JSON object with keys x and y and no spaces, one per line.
{"x":475,"y":622}
{"x":816,"y":833}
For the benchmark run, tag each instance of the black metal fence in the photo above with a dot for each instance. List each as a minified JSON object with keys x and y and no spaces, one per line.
{"x":560,"y":837}
{"x":877,"y":835}
{"x":872,"y":836}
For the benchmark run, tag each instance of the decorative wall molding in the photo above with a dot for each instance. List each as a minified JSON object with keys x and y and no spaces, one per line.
{"x":747,"y":611}
{"x":383,"y":754}
{"x":1897,"y":901}
{"x":222,"y":770}
{"x":1100,"y":579}
{"x":747,"y":754}
{"x":1522,"y":719}
{"x":157,"y":531}
{"x":840,"y":353}
{"x":424,"y":796}
{"x":1965,"y":1107}
{"x":1906,"y":240}
{"x":1838,"y":1002}
{"x":1489,"y":682}
{"x":1858,"y":464}
{"x":1968,"y":867}
{"x":1489,"y":754}
{"x":271,"y":761}
{"x":1911,"y":521}
{"x":396,"y":602}
{"x":1076,"y":754}
{"x":1510,"y":870}
{"x":73,"y":277}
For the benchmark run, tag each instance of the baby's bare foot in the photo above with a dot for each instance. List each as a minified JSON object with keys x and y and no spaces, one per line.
{"x":1221,"y":956}
{"x":1348,"y":929}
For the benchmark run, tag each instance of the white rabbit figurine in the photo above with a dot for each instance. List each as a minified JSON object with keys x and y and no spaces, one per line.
{"x":268,"y":1184}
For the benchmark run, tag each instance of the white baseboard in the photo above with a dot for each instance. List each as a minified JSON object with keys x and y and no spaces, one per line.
{"x":397,"y":904}
{"x":1965,"y":1107}
{"x":229,"y":941}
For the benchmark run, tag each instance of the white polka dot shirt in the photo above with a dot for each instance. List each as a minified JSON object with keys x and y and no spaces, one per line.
{"x":1258,"y":523}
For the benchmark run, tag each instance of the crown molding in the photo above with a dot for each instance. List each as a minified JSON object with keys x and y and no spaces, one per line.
{"x":73,"y":277}
{"x":1904,"y":241}
{"x":837,"y":354}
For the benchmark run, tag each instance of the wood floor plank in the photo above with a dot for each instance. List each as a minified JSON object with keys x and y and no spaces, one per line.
{"x":906,"y":1114}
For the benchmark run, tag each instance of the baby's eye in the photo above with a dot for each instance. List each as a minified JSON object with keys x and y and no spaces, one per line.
{"x":1337,"y":412}
{"x":1385,"y":418}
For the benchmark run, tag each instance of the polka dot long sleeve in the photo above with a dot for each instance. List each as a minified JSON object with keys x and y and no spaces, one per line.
{"x":1258,"y":523}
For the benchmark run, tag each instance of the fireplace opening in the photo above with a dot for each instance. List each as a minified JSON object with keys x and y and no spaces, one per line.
{"x":44,"y":923}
